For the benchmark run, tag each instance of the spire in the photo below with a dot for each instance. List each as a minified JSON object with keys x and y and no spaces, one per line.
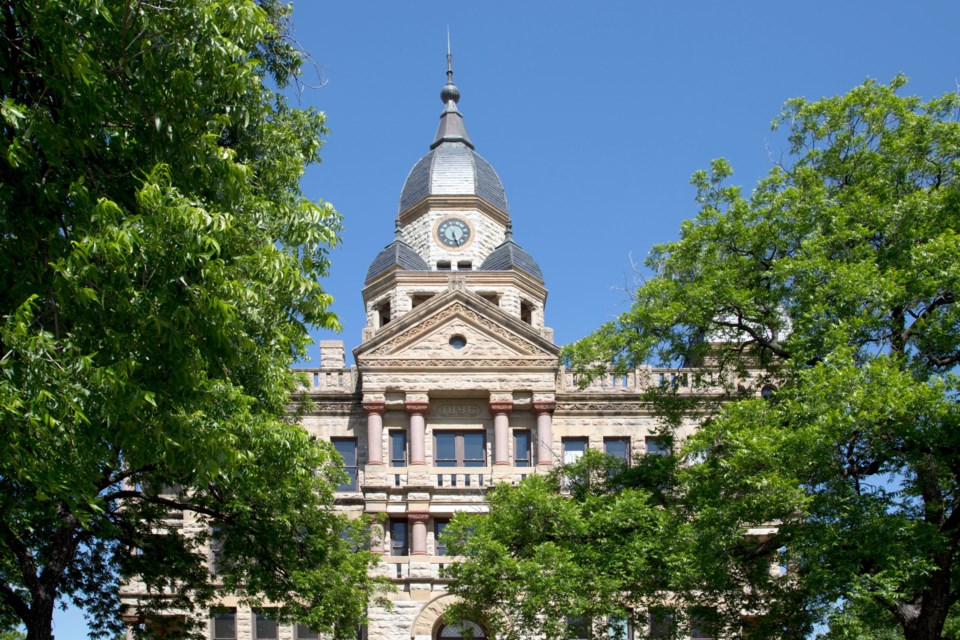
{"x":451,"y":127}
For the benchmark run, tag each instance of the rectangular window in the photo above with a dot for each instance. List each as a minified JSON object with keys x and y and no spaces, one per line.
{"x":618,"y":448}
{"x":459,"y":449}
{"x":398,"y":538}
{"x":703,"y":623}
{"x":264,"y":626}
{"x":658,"y":446}
{"x":661,"y":623}
{"x":619,"y":628}
{"x":577,"y":628}
{"x":225,"y":625}
{"x":398,"y":448}
{"x":464,"y":265}
{"x":443,"y":265}
{"x":438,"y":527}
{"x":347,"y":448}
{"x":573,"y":449}
{"x":306,"y":633}
{"x":521,"y":448}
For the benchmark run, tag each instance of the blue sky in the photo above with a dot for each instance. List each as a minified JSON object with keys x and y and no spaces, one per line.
{"x":594,"y":115}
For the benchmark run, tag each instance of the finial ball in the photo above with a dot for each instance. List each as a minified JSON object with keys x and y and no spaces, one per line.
{"x":449,"y":92}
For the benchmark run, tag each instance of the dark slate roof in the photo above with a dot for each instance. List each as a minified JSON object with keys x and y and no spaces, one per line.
{"x":396,"y":254}
{"x":509,"y":255}
{"x":453,"y":168}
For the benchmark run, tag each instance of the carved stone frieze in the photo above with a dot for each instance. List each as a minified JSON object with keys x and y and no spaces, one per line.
{"x":433,"y":363}
{"x":458,"y":308}
{"x":604,"y":407}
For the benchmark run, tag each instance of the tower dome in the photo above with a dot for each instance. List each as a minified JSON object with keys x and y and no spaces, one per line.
{"x":452,"y":167}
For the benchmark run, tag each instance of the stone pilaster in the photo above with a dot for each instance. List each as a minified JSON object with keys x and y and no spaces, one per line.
{"x":374,"y":409}
{"x":544,"y":410}
{"x":417,"y":408}
{"x":418,"y":533}
{"x":501,"y":409}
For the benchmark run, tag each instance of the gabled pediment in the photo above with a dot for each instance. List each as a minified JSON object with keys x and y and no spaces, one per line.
{"x":422,"y":337}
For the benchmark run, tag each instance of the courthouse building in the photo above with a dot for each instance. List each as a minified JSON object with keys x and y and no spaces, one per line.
{"x":457,"y":385}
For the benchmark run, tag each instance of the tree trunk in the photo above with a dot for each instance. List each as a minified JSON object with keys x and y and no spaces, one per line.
{"x":40,"y":621}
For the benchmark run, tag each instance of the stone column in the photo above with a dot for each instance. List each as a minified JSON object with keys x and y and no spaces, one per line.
{"x":374,"y":409}
{"x":417,"y":409}
{"x":544,"y":410}
{"x":501,"y":430}
{"x":418,"y":533}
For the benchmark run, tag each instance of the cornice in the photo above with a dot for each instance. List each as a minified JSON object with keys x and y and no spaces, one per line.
{"x":453,"y":203}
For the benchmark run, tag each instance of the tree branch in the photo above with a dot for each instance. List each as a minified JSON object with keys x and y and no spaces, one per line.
{"x":167,"y":502}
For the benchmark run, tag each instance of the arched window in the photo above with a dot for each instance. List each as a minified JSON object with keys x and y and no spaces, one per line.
{"x":467,"y":630}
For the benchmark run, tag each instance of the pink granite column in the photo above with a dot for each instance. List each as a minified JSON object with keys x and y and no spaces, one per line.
{"x":544,"y":411}
{"x":374,"y":409}
{"x":501,"y":430}
{"x":418,"y":535}
{"x":417,"y":410}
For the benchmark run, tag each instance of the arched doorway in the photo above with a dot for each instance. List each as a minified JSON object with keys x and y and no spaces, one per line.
{"x":466,"y":631}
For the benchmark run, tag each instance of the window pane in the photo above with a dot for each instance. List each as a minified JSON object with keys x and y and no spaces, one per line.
{"x":460,"y":631}
{"x":617,"y":447}
{"x":577,"y":628}
{"x":658,"y":446}
{"x":661,"y":622}
{"x":398,"y":538}
{"x":619,"y":628}
{"x":347,"y":448}
{"x":573,"y":449}
{"x":398,"y":448}
{"x":304,"y":633}
{"x":438,"y":527}
{"x":445,"y":454}
{"x":702,"y":623}
{"x":473,"y":455}
{"x":521,"y":448}
{"x":266,"y":627}
{"x":225,"y":626}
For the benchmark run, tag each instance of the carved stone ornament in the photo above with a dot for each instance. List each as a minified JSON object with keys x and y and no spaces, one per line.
{"x":544,"y":406}
{"x":501,"y":406}
{"x":457,"y":308}
{"x":458,"y":410}
{"x":432,"y":363}
{"x":375,"y":406}
{"x":417,"y":516}
{"x":417,"y":408}
{"x":603,"y":407}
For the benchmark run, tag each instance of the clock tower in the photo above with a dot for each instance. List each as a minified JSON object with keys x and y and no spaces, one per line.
{"x":453,"y":226}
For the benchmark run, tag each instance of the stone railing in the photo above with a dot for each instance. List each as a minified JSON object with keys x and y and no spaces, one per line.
{"x":684,"y":381}
{"x":320,"y":380}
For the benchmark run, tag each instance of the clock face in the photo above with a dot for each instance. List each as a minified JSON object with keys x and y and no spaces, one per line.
{"x":454,"y":232}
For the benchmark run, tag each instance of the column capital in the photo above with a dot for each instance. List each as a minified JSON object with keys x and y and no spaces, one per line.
{"x":544,"y":406}
{"x":377,"y":407}
{"x":416,"y":407}
{"x":501,"y":406}
{"x":418,"y":516}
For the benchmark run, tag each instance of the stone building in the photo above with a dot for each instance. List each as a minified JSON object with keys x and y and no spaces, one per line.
{"x":457,"y":385}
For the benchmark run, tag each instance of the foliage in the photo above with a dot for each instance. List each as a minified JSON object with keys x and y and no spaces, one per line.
{"x":831,"y":286}
{"x":159,"y":268}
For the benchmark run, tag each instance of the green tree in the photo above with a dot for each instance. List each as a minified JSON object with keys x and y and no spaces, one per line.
{"x":830,"y":291}
{"x":159,"y":269}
